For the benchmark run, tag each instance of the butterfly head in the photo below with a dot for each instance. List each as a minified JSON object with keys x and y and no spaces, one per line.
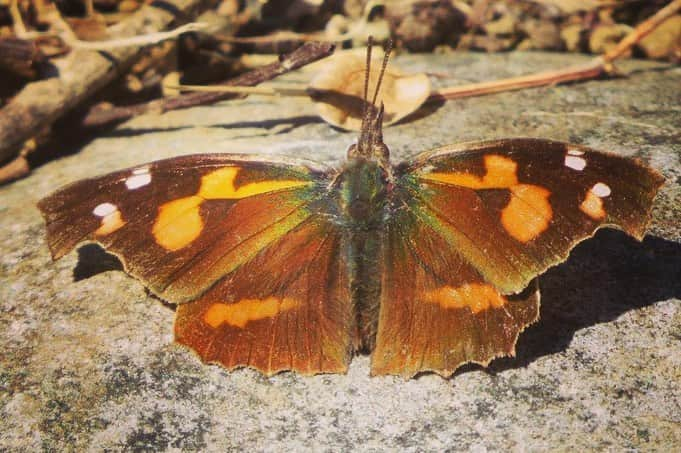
{"x":370,"y":144}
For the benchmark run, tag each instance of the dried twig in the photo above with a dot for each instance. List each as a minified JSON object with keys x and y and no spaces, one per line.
{"x":581,"y":72}
{"x":142,"y":40}
{"x":146,"y":39}
{"x":81,"y":73}
{"x":595,"y":68}
{"x":269,"y":90}
{"x":302,"y":56}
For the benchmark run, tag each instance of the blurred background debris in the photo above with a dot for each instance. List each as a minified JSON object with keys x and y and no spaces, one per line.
{"x":62,"y":61}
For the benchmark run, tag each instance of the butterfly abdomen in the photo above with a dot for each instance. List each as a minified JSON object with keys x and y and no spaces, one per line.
{"x":363,"y":194}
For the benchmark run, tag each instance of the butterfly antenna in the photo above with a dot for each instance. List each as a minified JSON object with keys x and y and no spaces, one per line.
{"x":386,"y":57}
{"x":367,"y":73}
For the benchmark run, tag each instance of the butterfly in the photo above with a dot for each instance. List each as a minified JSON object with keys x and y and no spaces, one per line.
{"x":426,"y":265}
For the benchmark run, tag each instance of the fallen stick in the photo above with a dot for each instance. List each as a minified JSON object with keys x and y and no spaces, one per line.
{"x":78,"y":75}
{"x":305,"y":54}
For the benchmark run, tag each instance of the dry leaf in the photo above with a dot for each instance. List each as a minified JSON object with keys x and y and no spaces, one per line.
{"x":338,"y":89}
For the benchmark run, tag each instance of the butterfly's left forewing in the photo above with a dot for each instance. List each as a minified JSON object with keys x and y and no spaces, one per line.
{"x":248,"y":248}
{"x":179,"y":224}
{"x":473,"y":225}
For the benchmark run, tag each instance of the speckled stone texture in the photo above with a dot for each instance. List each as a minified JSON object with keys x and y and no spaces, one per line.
{"x":88,"y":360}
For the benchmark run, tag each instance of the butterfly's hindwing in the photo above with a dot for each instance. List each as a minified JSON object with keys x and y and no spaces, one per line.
{"x":437,"y":312}
{"x":287,"y":309}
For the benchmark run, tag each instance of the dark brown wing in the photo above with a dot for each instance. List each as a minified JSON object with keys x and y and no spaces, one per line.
{"x":437,"y":312}
{"x":473,"y":223}
{"x":287,"y":309}
{"x":513,"y":208}
{"x":181,"y":224}
{"x":248,"y":248}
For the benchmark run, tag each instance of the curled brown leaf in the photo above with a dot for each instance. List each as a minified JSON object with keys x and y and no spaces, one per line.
{"x":338,"y":89}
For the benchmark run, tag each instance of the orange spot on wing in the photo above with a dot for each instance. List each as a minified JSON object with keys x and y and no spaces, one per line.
{"x":178,"y":223}
{"x":593,"y":206}
{"x":240,"y":313}
{"x":475,"y":296}
{"x":110,"y":223}
{"x":528,"y":213}
{"x":500,"y":174}
{"x":219,"y":184}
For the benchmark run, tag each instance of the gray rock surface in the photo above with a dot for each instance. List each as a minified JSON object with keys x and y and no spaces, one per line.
{"x":90,"y":364}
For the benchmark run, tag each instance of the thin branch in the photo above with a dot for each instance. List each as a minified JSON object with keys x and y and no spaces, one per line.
{"x":71,"y":40}
{"x":305,"y":54}
{"x":278,"y":37}
{"x":589,"y":70}
{"x":269,"y":90}
{"x":141,"y":40}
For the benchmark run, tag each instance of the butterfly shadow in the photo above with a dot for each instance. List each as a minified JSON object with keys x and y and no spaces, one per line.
{"x":603,"y":279}
{"x":93,"y":260}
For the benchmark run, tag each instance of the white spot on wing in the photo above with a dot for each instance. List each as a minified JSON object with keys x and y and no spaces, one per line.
{"x":601,"y":190}
{"x":104,"y":209}
{"x":574,"y":162}
{"x":575,"y":152}
{"x":140,"y":177}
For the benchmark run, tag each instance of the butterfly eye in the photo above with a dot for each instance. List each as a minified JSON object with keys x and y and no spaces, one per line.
{"x":381,"y":152}
{"x":352,"y":151}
